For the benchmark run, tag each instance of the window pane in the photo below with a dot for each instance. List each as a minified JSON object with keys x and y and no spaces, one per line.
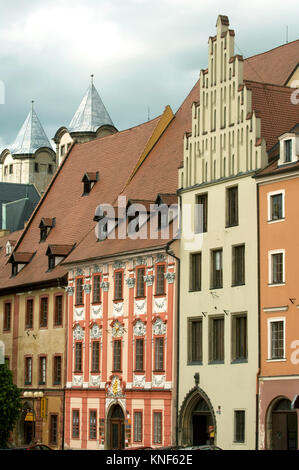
{"x":118,"y":278}
{"x":195,"y":272}
{"x":53,"y":429}
{"x":157,"y":428}
{"x":58,"y":310}
{"x":139,"y":354}
{"x":44,"y":312}
{"x":57,"y":370}
{"x":239,"y":265}
{"x":277,"y":268}
{"x":276,"y":207}
{"x":92,"y":424}
{"x":96,"y":298}
{"x":240,"y":337}
{"x":78,"y":358}
{"x":140,"y":282}
{"x":95,"y":356}
{"x":160,"y":279}
{"x":29,"y":313}
{"x":240,"y":426}
{"x":201,"y":213}
{"x":75,"y":424}
{"x":217,"y":339}
{"x":232,"y":206}
{"x":137,"y":426}
{"x":79,"y":291}
{"x":195,"y":340}
{"x":117,"y":355}
{"x":159,"y":354}
{"x":277,"y":340}
{"x":217,"y":269}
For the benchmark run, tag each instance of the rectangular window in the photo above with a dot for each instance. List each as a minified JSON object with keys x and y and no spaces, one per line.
{"x":194,"y":340}
{"x":217,"y":281}
{"x":276,"y":206}
{"x":92,"y":424}
{"x":58,"y":310}
{"x":7,"y":317}
{"x":10,"y":169}
{"x":118,"y":285}
{"x":57,"y":370}
{"x":78,"y":357}
{"x":288,"y":150}
{"x":157,"y":427}
{"x":43,"y":316}
{"x":232,"y":206}
{"x":96,"y":289}
{"x":239,"y":426}
{"x":28,"y":370}
{"x":277,"y":268}
{"x":29,"y":314}
{"x":140,"y":282}
{"x":139,"y":354}
{"x":50,"y":169}
{"x":201,"y":213}
{"x":36,"y":167}
{"x":79,"y":291}
{"x":95,"y":362}
{"x":195,"y":272}
{"x":277,"y":339}
{"x":117,"y":355}
{"x":216,"y":339}
{"x":239,"y":337}
{"x":160,"y":281}
{"x":54,"y":429}
{"x":238,"y":267}
{"x":42,"y":370}
{"x":137,"y":426}
{"x":159,"y":354}
{"x":75,"y":424}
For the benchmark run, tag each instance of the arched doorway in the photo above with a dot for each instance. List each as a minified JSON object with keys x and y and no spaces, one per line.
{"x":282,"y":425}
{"x":197,"y":423}
{"x":116,"y":428}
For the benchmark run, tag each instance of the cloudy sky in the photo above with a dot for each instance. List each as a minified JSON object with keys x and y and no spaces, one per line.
{"x":143,"y":53}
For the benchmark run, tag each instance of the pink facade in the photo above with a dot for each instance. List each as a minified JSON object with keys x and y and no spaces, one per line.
{"x":121,"y":356}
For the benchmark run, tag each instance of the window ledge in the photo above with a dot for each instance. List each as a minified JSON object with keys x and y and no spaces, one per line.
{"x":282,"y":359}
{"x":216,"y":362}
{"x":194,"y":363}
{"x":232,"y":225}
{"x":239,"y":285}
{"x":278,"y":284}
{"x":239,"y":361}
{"x":274,"y":221}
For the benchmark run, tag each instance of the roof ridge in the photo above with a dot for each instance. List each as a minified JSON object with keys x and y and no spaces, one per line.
{"x":277,"y":47}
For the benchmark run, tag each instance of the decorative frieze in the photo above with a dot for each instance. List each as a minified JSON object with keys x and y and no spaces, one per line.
{"x":158,"y":381}
{"x":140,"y":307}
{"x":105,"y":286}
{"x":160,"y":257}
{"x":118,"y":309}
{"x":96,"y":332}
{"x":169,"y":277}
{"x":79,"y":313}
{"x":118,"y":265}
{"x":95,"y":380}
{"x":139,"y":328}
{"x":117,"y":330}
{"x":139,"y":261}
{"x":96,"y":311}
{"x":130,"y":282}
{"x":139,"y":381}
{"x":160,"y":305}
{"x":149,"y":279}
{"x":78,"y":333}
{"x":159,"y":327}
{"x":77,"y":380}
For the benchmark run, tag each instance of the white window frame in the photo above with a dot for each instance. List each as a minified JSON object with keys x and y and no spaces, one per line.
{"x":269,"y":197}
{"x":282,"y":140}
{"x":270,"y":273}
{"x":269,"y":322}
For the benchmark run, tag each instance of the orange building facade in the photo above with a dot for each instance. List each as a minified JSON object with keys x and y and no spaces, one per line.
{"x":278,"y":188}
{"x":121,"y":358}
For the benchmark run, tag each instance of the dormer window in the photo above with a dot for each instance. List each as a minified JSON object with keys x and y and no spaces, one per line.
{"x":89,"y":180}
{"x":45,"y":227}
{"x":19,"y":261}
{"x":287,"y":149}
{"x":9,"y":247}
{"x":56,"y":254}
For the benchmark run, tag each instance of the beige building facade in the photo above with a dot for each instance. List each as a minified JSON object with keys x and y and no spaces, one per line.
{"x":218,"y":252}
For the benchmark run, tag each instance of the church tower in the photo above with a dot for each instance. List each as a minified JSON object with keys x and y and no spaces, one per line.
{"x":90,"y":121}
{"x":31,"y":159}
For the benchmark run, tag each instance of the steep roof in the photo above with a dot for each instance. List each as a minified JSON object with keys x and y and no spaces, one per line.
{"x":91,"y":113}
{"x":274,"y":66}
{"x":17,"y":202}
{"x":31,"y":136}
{"x":114,"y":156}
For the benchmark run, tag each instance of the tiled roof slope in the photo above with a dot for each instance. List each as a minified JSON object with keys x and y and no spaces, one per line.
{"x":114,"y":157}
{"x":278,"y":114}
{"x":274,"y":66}
{"x":12,"y":237}
{"x":157,"y":174}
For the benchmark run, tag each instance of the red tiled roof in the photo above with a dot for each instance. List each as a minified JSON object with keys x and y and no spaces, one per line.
{"x":115,"y":157}
{"x":274,"y":66}
{"x":278,"y":114}
{"x":59,"y":250}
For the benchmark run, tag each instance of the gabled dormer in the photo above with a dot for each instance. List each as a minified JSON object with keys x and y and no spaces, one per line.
{"x":167,"y":208}
{"x":288,"y":148}
{"x":10,"y":244}
{"x":19,"y":261}
{"x":89,"y":180}
{"x":56,"y":254}
{"x":138,"y":212}
{"x":45,"y":226}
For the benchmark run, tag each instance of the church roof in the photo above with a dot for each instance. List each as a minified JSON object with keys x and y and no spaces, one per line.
{"x":91,"y":113}
{"x":31,"y":136}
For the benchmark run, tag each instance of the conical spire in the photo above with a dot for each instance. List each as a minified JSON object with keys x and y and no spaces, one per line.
{"x":91,"y":113}
{"x":31,"y":136}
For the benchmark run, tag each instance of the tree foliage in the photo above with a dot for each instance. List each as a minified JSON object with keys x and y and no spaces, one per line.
{"x":10,"y":404}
